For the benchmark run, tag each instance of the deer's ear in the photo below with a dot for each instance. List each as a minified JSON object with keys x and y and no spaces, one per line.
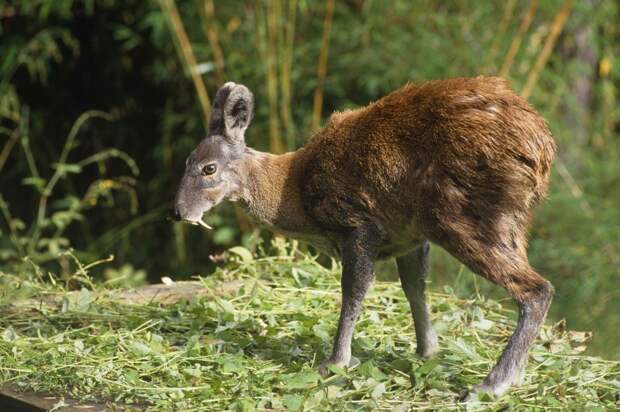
{"x":233,"y":109}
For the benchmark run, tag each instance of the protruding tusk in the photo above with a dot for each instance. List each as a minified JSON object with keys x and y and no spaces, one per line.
{"x":203,"y":224}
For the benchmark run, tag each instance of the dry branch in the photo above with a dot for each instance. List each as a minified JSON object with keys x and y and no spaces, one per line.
{"x":163,"y":294}
{"x":8,"y":146}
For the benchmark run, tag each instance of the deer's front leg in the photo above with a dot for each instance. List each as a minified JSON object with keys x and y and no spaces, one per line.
{"x":358,"y":253}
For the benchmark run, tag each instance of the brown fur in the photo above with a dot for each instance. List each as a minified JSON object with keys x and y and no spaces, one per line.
{"x":459,"y":162}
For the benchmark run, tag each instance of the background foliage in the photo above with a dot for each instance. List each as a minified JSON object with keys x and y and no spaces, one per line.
{"x":100,"y":182}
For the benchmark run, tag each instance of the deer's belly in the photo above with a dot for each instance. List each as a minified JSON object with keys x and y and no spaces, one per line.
{"x":400,"y":240}
{"x":322,"y":243}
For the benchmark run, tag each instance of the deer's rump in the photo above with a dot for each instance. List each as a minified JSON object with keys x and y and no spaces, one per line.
{"x":470,"y":147}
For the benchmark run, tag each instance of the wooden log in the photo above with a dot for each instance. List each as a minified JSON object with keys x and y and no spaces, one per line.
{"x":15,"y":401}
{"x":168,"y":294}
{"x":163,"y":293}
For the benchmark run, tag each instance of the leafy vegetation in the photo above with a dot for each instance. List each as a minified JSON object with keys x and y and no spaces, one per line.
{"x":257,"y":345}
{"x":101,"y":101}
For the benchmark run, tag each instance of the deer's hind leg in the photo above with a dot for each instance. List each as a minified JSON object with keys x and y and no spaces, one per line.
{"x":413,"y":271}
{"x":497,"y":253}
{"x":533,"y":295}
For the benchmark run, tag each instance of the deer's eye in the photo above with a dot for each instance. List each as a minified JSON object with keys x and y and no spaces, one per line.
{"x":209,"y":169}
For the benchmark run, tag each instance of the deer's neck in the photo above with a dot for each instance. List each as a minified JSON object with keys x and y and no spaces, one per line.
{"x":271,"y":192}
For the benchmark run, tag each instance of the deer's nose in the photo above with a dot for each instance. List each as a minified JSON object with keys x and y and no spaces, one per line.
{"x":176,"y":214}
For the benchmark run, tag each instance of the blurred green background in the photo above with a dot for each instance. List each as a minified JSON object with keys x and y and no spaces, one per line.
{"x":100,"y":183}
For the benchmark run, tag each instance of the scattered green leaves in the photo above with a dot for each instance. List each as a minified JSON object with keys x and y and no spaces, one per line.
{"x":258,"y":348}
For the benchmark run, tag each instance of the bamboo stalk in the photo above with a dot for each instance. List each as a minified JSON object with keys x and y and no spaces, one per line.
{"x":503,"y":26}
{"x":322,"y":66}
{"x":213,"y":38}
{"x":543,"y":56}
{"x":518,"y":39}
{"x":180,"y":245}
{"x":574,"y":187}
{"x":287,"y":57}
{"x":261,"y":40}
{"x":276,"y":144}
{"x":187,"y":57}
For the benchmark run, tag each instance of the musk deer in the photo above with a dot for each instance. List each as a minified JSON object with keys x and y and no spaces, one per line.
{"x":460,"y":163}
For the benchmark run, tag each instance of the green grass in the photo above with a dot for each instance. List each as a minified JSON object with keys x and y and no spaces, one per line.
{"x":259,"y":346}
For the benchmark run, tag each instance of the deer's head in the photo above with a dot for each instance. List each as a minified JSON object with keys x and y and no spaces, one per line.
{"x":213,"y":169}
